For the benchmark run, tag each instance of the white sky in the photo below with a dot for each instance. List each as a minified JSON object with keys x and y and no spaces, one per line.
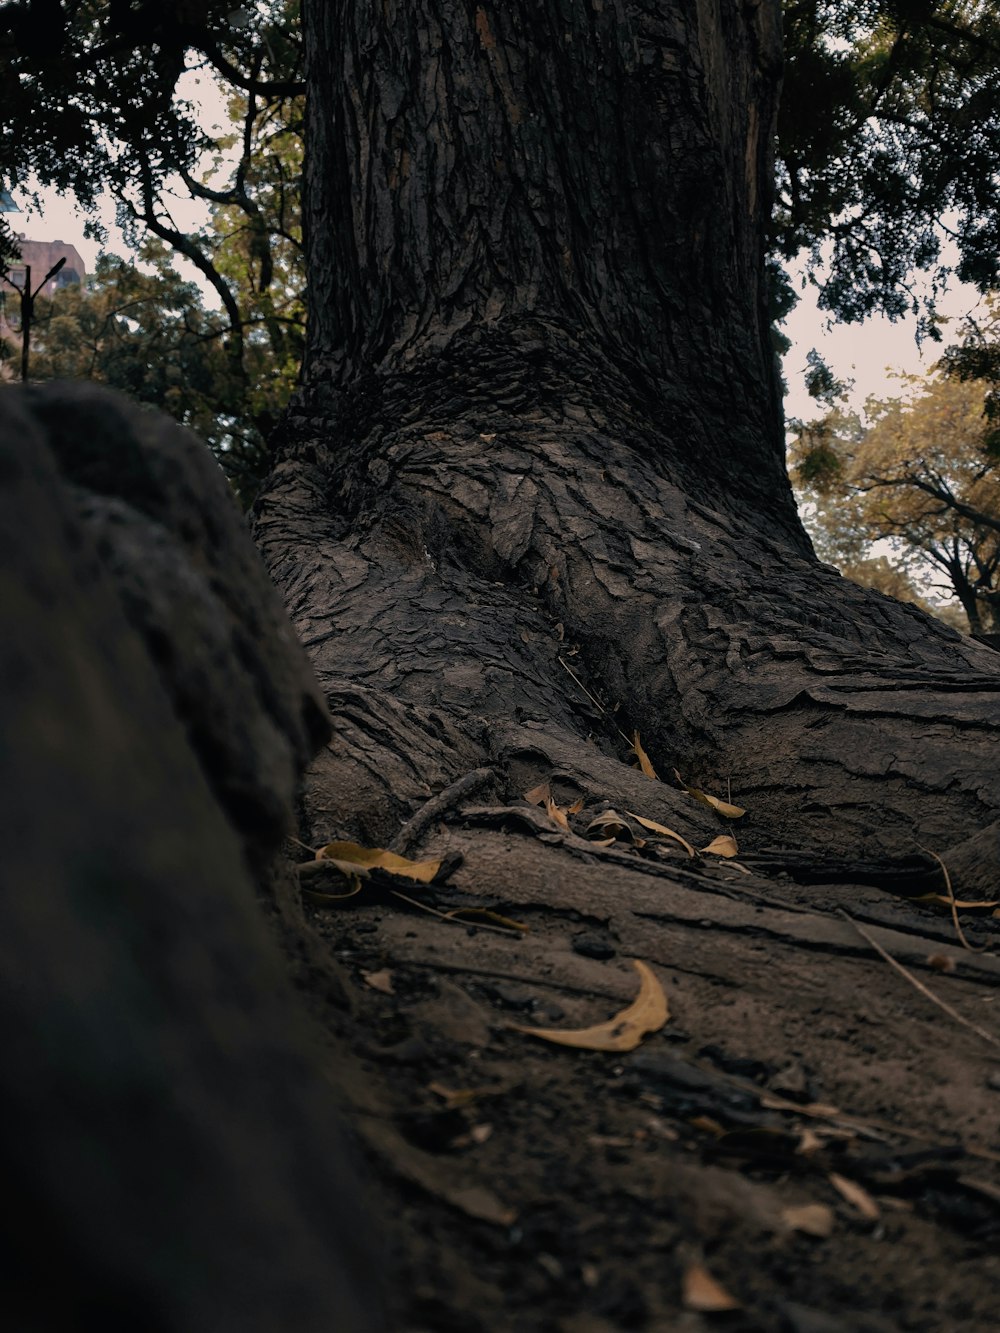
{"x":868,"y":353}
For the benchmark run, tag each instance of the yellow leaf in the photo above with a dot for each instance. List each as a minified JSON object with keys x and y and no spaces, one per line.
{"x":701,"y":1292}
{"x":643,"y":757}
{"x":663,"y":831}
{"x":381,"y":981}
{"x":723,"y":845}
{"x":809,"y":1143}
{"x":857,"y":1196}
{"x":352,"y":859}
{"x":538,"y":795}
{"x":723,"y":807}
{"x":556,"y":815}
{"x":713,"y":802}
{"x":708,"y":1125}
{"x":609,"y":824}
{"x":625,"y":1031}
{"x":455,"y":1097}
{"x":814,"y":1219}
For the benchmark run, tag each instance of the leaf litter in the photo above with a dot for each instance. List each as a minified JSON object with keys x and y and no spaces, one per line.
{"x":725,"y":808}
{"x":647,"y":1013}
{"x":626,"y":1030}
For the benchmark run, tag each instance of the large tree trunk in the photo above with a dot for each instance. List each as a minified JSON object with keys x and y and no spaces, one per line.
{"x":542,"y":430}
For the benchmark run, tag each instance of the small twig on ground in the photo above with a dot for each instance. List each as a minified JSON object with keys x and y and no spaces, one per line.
{"x":299,"y":843}
{"x":919,"y":985}
{"x":972,"y":948}
{"x":596,"y":702}
{"x":415,"y":827}
{"x":454,"y":920}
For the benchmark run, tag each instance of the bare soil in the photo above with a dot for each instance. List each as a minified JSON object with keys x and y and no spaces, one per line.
{"x":524,"y":1185}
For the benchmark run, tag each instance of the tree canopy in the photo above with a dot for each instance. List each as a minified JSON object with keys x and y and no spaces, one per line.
{"x":144,"y":330}
{"x":888,"y":136}
{"x":888,"y":145}
{"x":915,"y":474}
{"x":97,"y":98}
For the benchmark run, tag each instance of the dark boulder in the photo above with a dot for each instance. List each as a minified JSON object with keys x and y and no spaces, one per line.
{"x":169,"y":1149}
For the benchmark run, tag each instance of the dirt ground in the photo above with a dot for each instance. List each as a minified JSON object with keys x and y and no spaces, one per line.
{"x":808,"y":1143}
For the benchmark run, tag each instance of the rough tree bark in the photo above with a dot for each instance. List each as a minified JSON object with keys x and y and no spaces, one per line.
{"x":542,"y":421}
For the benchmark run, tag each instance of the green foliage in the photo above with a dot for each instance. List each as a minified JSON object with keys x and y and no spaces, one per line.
{"x":977,"y":357}
{"x":94,"y":104}
{"x":821,"y":383}
{"x":146,"y":333}
{"x":889,"y":121}
{"x":912,"y":475}
{"x":89,"y":98}
{"x":9,"y":250}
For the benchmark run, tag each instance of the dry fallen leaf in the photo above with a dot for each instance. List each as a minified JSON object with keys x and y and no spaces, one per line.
{"x":723,"y":845}
{"x":538,"y":795}
{"x":381,"y":981}
{"x":428,"y":1174}
{"x":576,"y":807}
{"x":723,"y":807}
{"x":701,"y":1292}
{"x":609,"y":824}
{"x":857,"y":1196}
{"x":707,"y":1125}
{"x":653,"y":827}
{"x":352,"y":859}
{"x":983,"y":1187}
{"x":643,"y":758}
{"x":625,"y":1031}
{"x":455,"y":1097}
{"x":813,"y":1219}
{"x":557,"y":816}
{"x":479,"y":1203}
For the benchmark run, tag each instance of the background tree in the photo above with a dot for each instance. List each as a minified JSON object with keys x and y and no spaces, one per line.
{"x":145,"y":331}
{"x":977,"y":357}
{"x":95,"y":100}
{"x":915,"y":475}
{"x":9,"y":255}
{"x":888,"y":144}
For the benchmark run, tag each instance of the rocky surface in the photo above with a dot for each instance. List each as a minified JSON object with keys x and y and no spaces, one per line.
{"x":170,"y":1149}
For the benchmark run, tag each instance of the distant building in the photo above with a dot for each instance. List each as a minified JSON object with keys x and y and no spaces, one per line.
{"x":40,"y":256}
